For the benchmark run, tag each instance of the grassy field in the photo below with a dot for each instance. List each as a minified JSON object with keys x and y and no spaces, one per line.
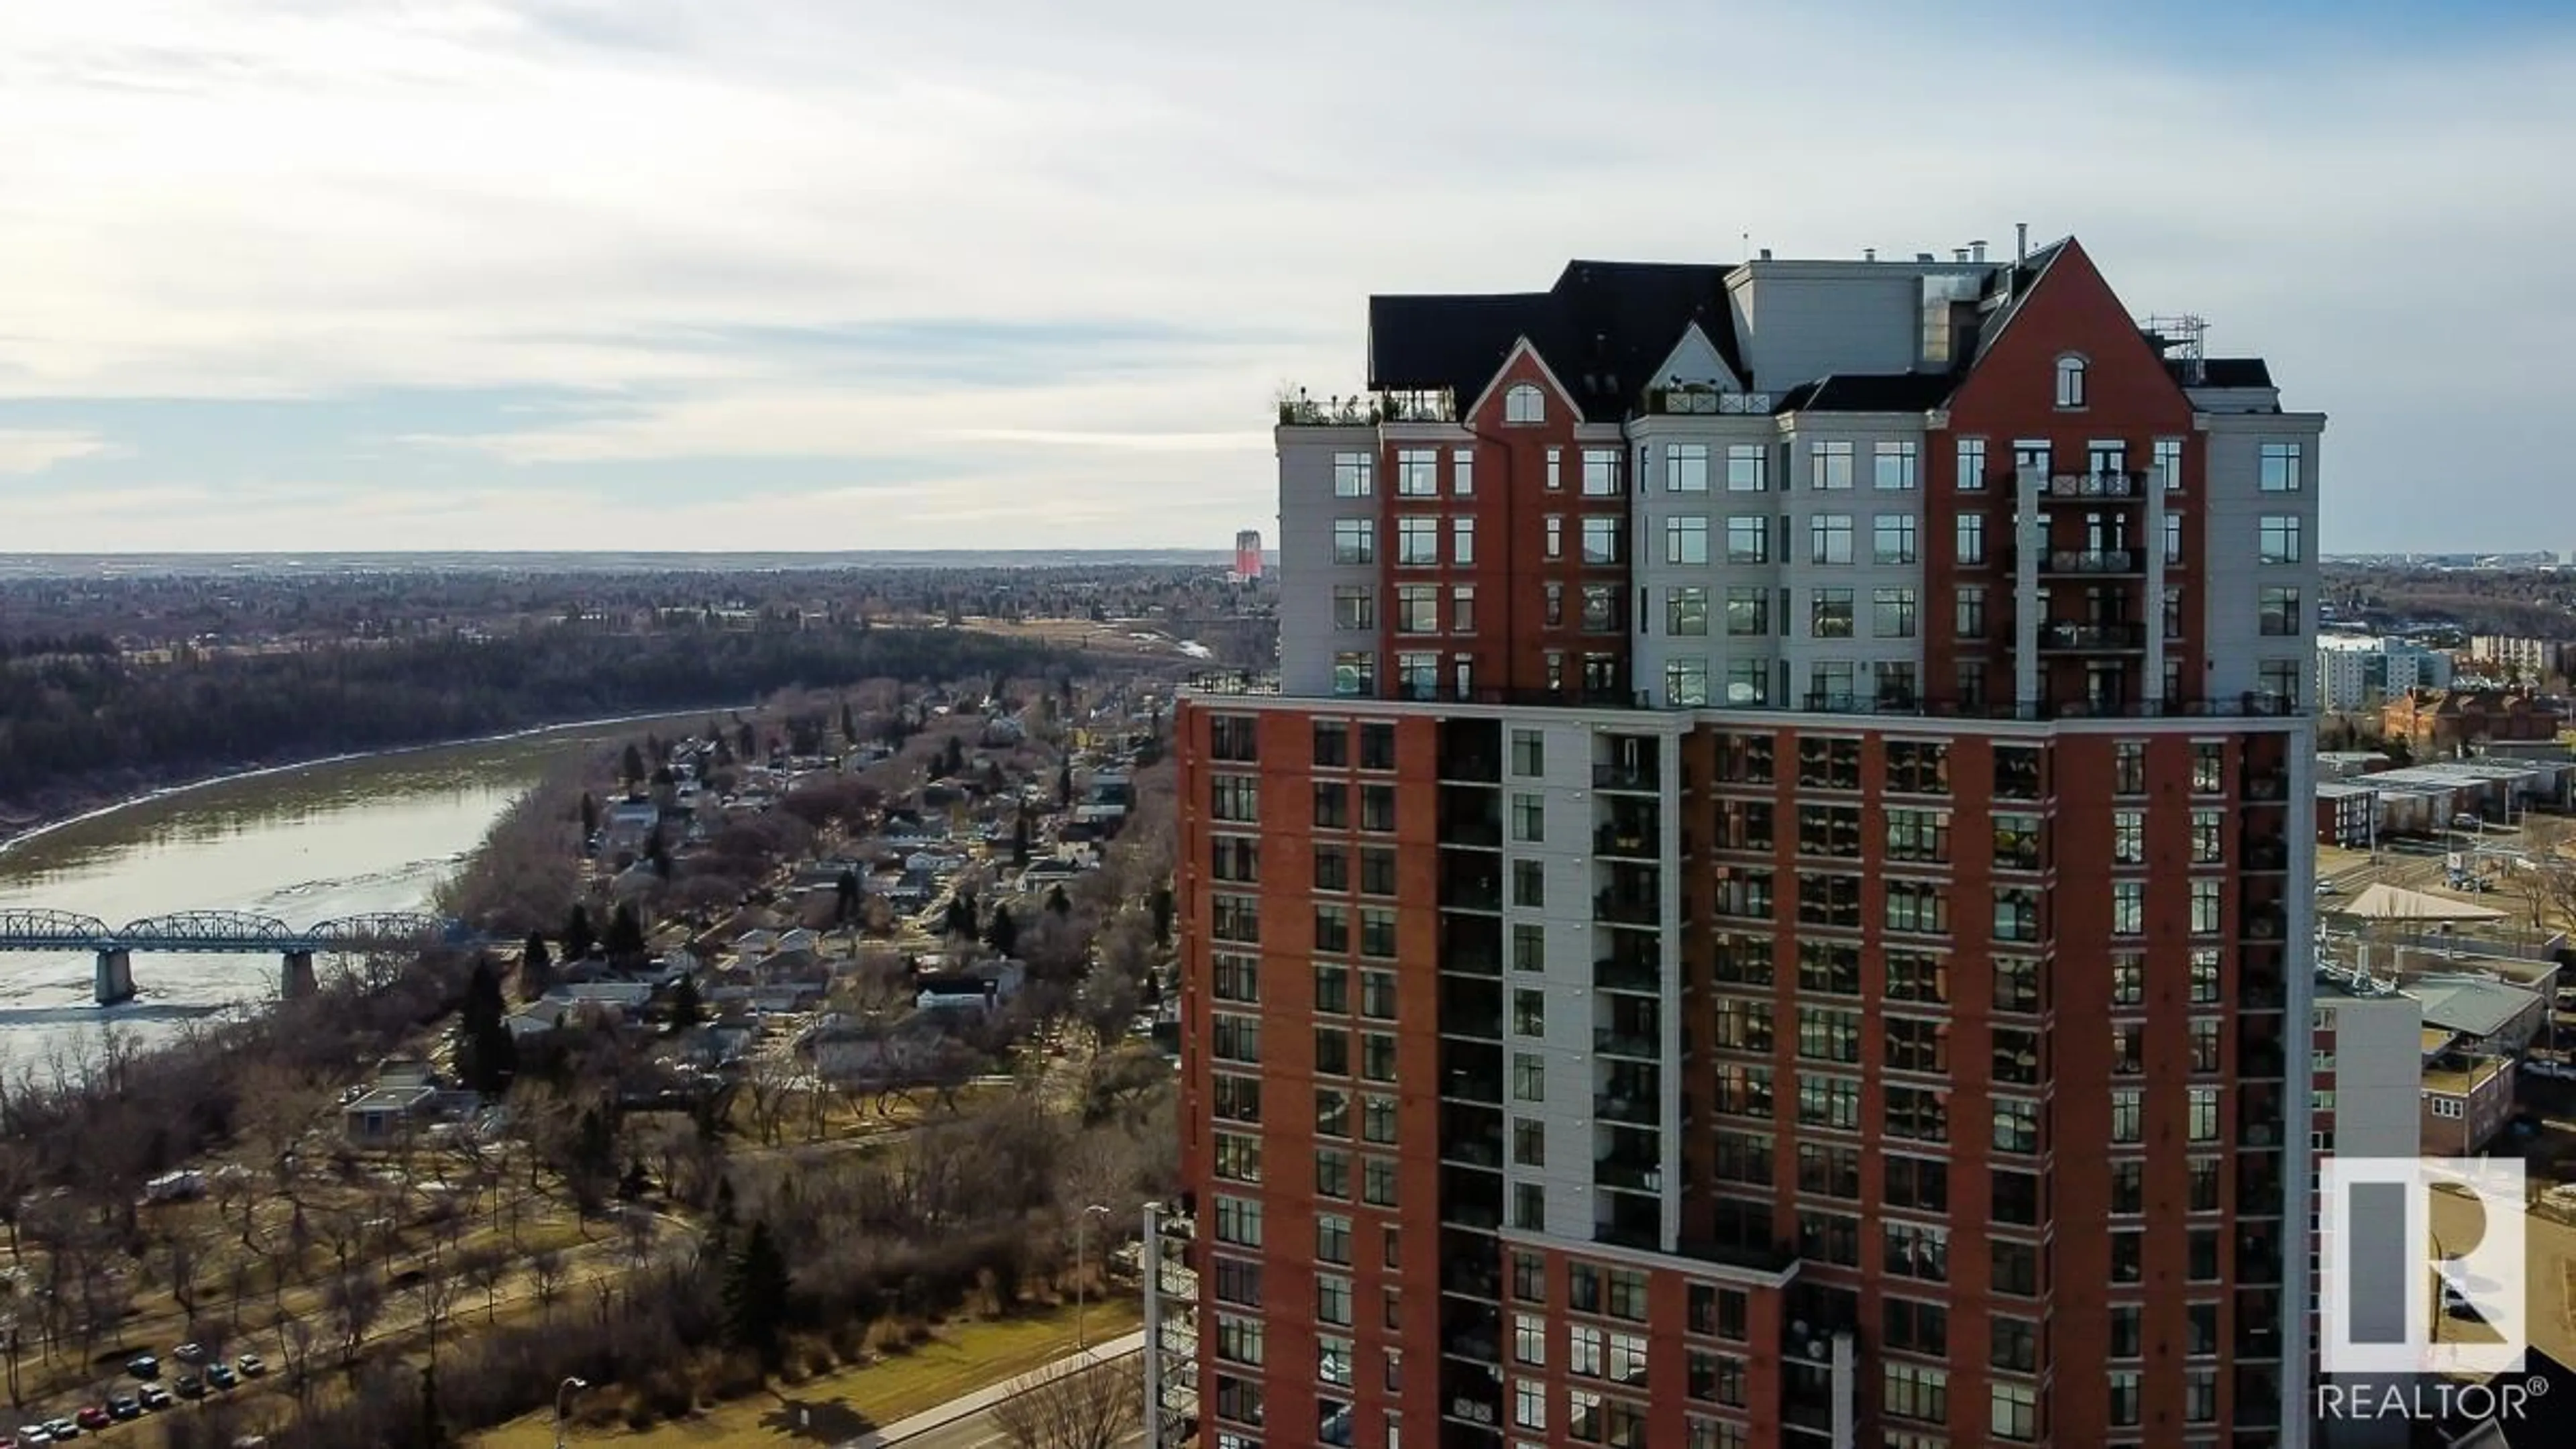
{"x":960,"y":1359}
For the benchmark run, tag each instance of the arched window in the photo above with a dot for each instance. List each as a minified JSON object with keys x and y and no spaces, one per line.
{"x":1524,"y":403}
{"x":2070,"y":382}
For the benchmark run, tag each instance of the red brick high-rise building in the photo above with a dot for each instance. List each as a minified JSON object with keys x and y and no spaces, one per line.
{"x":1768,"y":904}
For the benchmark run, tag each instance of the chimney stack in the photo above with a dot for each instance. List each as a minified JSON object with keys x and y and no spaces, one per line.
{"x":2021,"y":242}
{"x":1766,"y":254}
{"x":1958,"y":254}
{"x":1976,"y":251}
{"x":1869,"y":254}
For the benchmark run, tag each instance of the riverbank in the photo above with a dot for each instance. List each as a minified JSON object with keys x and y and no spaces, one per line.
{"x":21,"y":824}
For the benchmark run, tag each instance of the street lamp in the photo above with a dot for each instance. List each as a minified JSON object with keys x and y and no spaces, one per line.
{"x":564,"y":1391}
{"x":1081,"y":1299}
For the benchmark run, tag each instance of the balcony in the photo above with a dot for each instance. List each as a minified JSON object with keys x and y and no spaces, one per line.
{"x":2090,"y":561}
{"x":2266,"y":853}
{"x":1471,"y":750}
{"x":2088,"y":487}
{"x":2074,"y":634}
{"x":1627,"y":1173}
{"x":1637,"y":1046}
{"x":1632,"y":844}
{"x":1362,"y":410}
{"x":2265,"y":922}
{"x":1464,"y":1086}
{"x":1470,"y":883}
{"x":1628,"y":973}
{"x":1636,"y":1111}
{"x":1690,"y":401}
{"x":1627,"y":910}
{"x":2266,"y":786}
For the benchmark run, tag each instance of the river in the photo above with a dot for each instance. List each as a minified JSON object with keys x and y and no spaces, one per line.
{"x":309,"y":844}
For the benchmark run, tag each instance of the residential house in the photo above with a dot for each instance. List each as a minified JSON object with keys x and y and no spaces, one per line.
{"x":2447,"y":721}
{"x":2467,"y":1099}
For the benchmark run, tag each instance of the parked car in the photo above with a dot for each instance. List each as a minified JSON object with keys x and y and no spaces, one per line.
{"x":62,"y":1429}
{"x":155,"y":1397}
{"x":125,"y":1406}
{"x":32,"y":1435}
{"x":251,"y":1365}
{"x":144,"y":1366}
{"x":190,"y":1386}
{"x":221,"y":1375}
{"x":191,"y":1352}
{"x":95,"y":1416}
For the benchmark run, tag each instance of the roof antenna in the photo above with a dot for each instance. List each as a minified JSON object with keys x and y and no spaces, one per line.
{"x":2021,"y":243}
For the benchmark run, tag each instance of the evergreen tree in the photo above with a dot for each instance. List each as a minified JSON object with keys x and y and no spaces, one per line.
{"x":961,"y":915}
{"x":953,"y":763}
{"x":1064,"y":784}
{"x":717,"y":1243}
{"x":625,"y":934}
{"x":635,"y":1183}
{"x":657,"y":854}
{"x":433,"y":1424}
{"x":846,"y":898}
{"x":1162,"y":903}
{"x":486,"y":1057}
{"x":1058,"y":901}
{"x":536,"y":968}
{"x":1020,"y":839}
{"x":849,"y":723}
{"x":631,"y":767}
{"x":1002,"y":933}
{"x":747,"y":741}
{"x":756,"y":1287}
{"x":589,"y":816}
{"x":578,"y":934}
{"x":687,"y":1009}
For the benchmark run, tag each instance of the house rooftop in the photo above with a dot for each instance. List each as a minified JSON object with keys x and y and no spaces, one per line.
{"x":2461,"y":1081}
{"x":2470,"y":1005}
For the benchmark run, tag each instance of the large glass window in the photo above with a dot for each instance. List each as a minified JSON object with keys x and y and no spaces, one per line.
{"x":2280,"y":468}
{"x":1600,"y":539}
{"x":1686,"y":539}
{"x":1748,"y":610}
{"x":1892,"y":538}
{"x":1686,"y":468}
{"x":1894,"y":467}
{"x":1830,"y":467}
{"x":1686,"y":610}
{"x":1417,"y":472}
{"x":2280,"y":539}
{"x":1829,"y":538}
{"x":1748,"y":539}
{"x":1745,"y":468}
{"x":1417,"y":539}
{"x":1354,"y":541}
{"x":1353,"y":474}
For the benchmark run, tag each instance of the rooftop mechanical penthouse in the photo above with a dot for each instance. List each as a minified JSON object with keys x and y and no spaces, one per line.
{"x":1760,"y":908}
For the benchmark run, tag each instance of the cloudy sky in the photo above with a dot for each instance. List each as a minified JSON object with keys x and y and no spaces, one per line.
{"x":311,"y":274}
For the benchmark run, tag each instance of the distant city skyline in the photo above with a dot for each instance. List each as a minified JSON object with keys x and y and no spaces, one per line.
{"x":558,"y":274}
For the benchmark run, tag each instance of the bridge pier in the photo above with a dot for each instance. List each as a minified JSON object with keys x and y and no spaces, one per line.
{"x":115,"y":980}
{"x":297,"y":980}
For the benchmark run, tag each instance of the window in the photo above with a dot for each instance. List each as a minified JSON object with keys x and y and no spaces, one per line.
{"x":1970,"y":622}
{"x":2280,"y":539}
{"x":1686,"y":611}
{"x":1529,"y":1404}
{"x":1529,"y":884}
{"x":1417,"y":473}
{"x":1529,"y":1143}
{"x":1686,"y":539}
{"x":1895,"y":468}
{"x":1462,"y":610}
{"x":2280,"y":468}
{"x":1892,"y":538}
{"x":1600,"y":472}
{"x":1915,"y":1391}
{"x":1529,"y":1340}
{"x":1748,"y":682}
{"x":1529,"y":817}
{"x":1354,"y":607}
{"x":1744,"y":468}
{"x":1686,"y":683}
{"x":1377,"y":995}
{"x":1748,"y":611}
{"x":1238,"y":1221}
{"x":1354,"y":541}
{"x":1686,"y":468}
{"x":1333,"y":1238}
{"x":2128,"y":907}
{"x":2277,"y":610}
{"x":1417,"y":676}
{"x":2070,"y":389}
{"x":1600,"y":609}
{"x":1234,"y":797}
{"x":1353,"y":474}
{"x":1600,"y":539}
{"x":1462,"y":471}
{"x":1417,"y":539}
{"x":1377,"y":1181}
{"x":1523,"y":403}
{"x":1236,"y":978}
{"x":1971,"y":538}
{"x":1892,"y":613}
{"x":1235,"y":918}
{"x":1529,"y":1077}
{"x":1748,"y":540}
{"x":2173,"y":538}
{"x":1829,"y":538}
{"x":1417,"y":609}
{"x":1556,"y":470}
{"x":1238,"y":1159}
{"x":2128,"y":837}
{"x":1332,"y":744}
{"x":1333,"y":1300}
{"x":1555,"y":542}
{"x":1529,"y":753}
{"x":1830,"y":467}
{"x":2204,"y":908}
{"x":1462,"y":540}
{"x":1829,"y":614}
{"x":2168,"y":466}
{"x":1972,"y":465}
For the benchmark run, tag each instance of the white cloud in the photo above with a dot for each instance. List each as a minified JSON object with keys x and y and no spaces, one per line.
{"x":275,"y":198}
{"x":33,"y":450}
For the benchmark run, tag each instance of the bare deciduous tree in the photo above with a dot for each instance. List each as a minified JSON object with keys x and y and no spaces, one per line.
{"x":546,"y":1269}
{"x":1096,"y":1407}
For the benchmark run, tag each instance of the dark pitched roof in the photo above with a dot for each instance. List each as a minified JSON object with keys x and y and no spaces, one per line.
{"x":1895,"y":392}
{"x":1603,"y":328}
{"x":2025,"y":279}
{"x":2225,"y":372}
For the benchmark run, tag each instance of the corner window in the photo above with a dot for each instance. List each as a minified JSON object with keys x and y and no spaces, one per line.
{"x":1524,"y":403}
{"x":2280,"y":468}
{"x":2070,"y":382}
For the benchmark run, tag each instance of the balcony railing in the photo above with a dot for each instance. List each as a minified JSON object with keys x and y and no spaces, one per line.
{"x":1627,"y":910}
{"x":1707,"y":401}
{"x":1640,"y":778}
{"x":2092,"y":561}
{"x":2074,"y":634}
{"x":1630,"y":1173}
{"x":1362,"y":410}
{"x":1638,"y":843}
{"x":1610,"y":1043}
{"x":2094,"y":485}
{"x":1613,"y":974}
{"x":1484,"y":1152}
{"x":1635,"y":1111}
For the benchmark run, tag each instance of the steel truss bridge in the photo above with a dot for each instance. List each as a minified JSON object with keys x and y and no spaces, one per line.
{"x":225,"y":932}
